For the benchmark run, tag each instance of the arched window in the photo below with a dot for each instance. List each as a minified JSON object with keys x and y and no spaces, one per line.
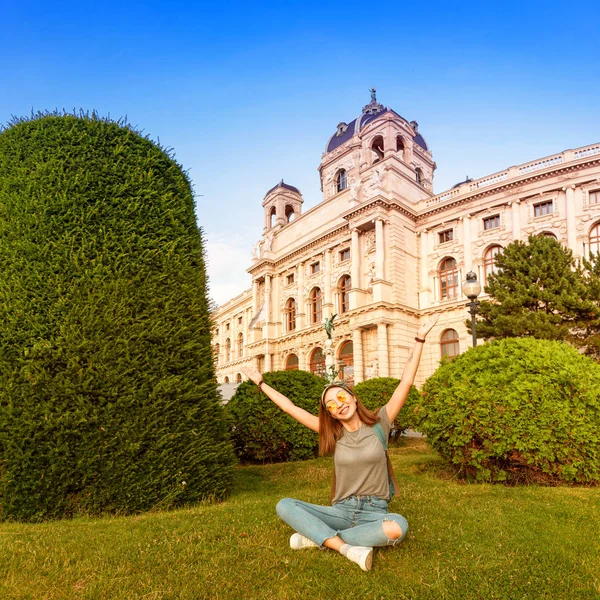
{"x":290,"y":315}
{"x":341,"y":181}
{"x":399,"y":144}
{"x":226,"y":380}
{"x":489,"y":261}
{"x":595,"y":239}
{"x":547,"y":234}
{"x":316,"y":312}
{"x":449,"y":343}
{"x":240,"y":345}
{"x":346,"y":358}
{"x":317,"y":362}
{"x":419,"y":176}
{"x":289,"y":213}
{"x":238,"y":378}
{"x":272,"y":217}
{"x":227,"y":350}
{"x":217,"y":350}
{"x":344,"y":286}
{"x":377,"y":149}
{"x":291,"y":363}
{"x":448,"y":274}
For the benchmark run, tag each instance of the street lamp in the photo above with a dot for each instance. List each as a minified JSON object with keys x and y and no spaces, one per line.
{"x":471,"y":288}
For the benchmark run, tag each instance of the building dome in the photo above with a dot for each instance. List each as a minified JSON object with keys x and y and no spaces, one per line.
{"x":285,"y":186}
{"x":371,"y":112}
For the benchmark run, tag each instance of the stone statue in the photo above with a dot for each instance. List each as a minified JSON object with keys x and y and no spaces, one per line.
{"x":329,"y":326}
{"x":256,"y":250}
{"x":354,"y":189}
{"x":373,"y":95}
{"x":268,"y":242}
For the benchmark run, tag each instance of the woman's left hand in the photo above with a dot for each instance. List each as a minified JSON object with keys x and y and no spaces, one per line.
{"x":427,"y":327}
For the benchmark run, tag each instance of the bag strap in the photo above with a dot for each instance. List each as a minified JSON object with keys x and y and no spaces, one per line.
{"x":390,"y":469}
{"x":391,"y":475}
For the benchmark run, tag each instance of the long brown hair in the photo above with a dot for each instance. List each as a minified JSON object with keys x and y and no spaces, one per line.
{"x":330,"y":429}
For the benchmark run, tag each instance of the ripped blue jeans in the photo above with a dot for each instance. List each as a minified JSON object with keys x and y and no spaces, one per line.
{"x":358,"y":520}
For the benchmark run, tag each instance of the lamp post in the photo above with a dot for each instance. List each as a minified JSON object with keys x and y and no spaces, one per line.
{"x":471,"y":288}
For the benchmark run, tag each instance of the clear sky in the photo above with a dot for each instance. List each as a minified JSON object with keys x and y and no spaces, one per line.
{"x":248,"y":93}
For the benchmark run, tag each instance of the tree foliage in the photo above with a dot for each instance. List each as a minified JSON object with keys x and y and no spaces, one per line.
{"x":516,"y":410}
{"x":537,"y":290}
{"x":375,"y":393}
{"x":108,"y":400}
{"x":261,"y":431}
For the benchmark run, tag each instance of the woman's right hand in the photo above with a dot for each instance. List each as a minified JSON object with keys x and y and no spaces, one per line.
{"x":252,"y":374}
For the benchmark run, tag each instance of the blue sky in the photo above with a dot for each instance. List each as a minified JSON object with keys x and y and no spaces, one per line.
{"x":249,"y":93}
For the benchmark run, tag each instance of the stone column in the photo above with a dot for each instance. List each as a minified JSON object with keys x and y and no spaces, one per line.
{"x":467,"y":243}
{"x":327,"y":285}
{"x":570,"y":214}
{"x":355,"y":255}
{"x":516,"y":219}
{"x":300,"y":305}
{"x":424,"y":298}
{"x":268,"y":298}
{"x":255,"y":306}
{"x":382,"y":350}
{"x":379,"y":250}
{"x":357,"y":350}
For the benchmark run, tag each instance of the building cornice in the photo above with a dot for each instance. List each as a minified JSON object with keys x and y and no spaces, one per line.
{"x":558,"y":164}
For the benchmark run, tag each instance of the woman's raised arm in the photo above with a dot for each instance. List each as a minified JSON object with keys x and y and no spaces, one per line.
{"x":400,"y":394}
{"x":285,"y":404}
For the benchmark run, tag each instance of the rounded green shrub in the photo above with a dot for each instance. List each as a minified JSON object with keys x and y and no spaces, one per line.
{"x":375,"y":393}
{"x":261,"y":431}
{"x":516,"y":410}
{"x":108,"y":400}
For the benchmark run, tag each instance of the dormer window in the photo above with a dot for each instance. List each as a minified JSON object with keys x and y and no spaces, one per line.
{"x":341,"y":128}
{"x":341,"y":181}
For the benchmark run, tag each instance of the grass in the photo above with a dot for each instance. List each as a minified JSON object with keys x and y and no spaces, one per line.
{"x":466,"y":541}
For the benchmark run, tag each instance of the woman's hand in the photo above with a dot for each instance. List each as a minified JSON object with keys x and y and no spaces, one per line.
{"x":252,"y":374}
{"x":427,"y":327}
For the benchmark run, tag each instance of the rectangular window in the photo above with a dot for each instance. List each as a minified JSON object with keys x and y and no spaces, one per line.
{"x":226,"y":326}
{"x":344,"y":254}
{"x":446,"y":236}
{"x":594,"y":197}
{"x":239,"y":320}
{"x":491,"y":222}
{"x":289,"y":279}
{"x":543,"y":208}
{"x":315,"y":267}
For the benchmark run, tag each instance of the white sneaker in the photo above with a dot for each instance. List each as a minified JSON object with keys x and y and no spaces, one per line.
{"x":362,"y":556}
{"x":298,"y":541}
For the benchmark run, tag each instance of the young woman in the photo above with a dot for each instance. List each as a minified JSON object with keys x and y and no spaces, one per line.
{"x":358,"y":519}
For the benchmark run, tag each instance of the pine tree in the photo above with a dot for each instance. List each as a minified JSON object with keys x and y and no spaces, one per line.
{"x":537,"y":290}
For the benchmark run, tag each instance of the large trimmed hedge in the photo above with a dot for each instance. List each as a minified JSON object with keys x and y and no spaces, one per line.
{"x":108,"y":400}
{"x":516,"y":410}
{"x":261,"y":431}
{"x":375,"y":393}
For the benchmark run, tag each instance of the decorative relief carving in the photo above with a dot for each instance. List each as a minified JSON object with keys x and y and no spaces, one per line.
{"x":369,"y":242}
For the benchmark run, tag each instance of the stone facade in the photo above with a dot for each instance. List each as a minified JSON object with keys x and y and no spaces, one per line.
{"x":384,"y":253}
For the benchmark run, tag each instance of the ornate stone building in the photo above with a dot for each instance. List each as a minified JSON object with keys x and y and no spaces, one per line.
{"x":383,"y":252}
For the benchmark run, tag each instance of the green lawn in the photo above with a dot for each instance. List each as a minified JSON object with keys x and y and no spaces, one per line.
{"x":466,"y":541}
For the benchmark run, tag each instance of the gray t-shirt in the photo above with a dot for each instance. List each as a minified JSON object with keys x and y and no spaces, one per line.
{"x":360,"y":464}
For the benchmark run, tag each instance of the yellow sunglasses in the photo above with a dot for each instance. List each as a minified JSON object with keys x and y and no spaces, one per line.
{"x":341,"y":396}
